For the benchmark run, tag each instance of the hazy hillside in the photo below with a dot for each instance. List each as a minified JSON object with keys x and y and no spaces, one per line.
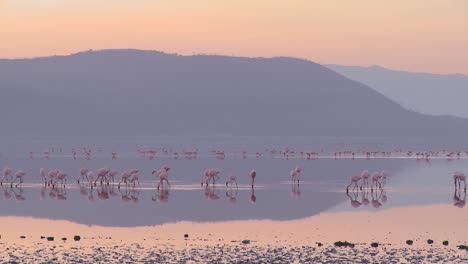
{"x":422,"y":92}
{"x":128,"y":92}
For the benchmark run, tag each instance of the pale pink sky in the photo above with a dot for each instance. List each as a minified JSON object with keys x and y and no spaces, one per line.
{"x":415,"y":35}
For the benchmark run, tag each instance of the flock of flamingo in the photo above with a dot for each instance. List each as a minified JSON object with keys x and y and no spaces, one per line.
{"x":130,"y":178}
{"x":287,"y":153}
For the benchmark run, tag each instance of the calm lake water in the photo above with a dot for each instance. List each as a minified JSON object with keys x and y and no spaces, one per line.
{"x":410,"y":182}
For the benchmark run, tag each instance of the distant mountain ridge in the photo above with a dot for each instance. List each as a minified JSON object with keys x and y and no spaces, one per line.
{"x":130,"y":92}
{"x":433,"y":94}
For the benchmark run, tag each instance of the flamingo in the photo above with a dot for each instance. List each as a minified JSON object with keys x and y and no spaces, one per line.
{"x":354,"y":180}
{"x":90,"y":177}
{"x":18,"y":175}
{"x":42,"y":173}
{"x":163,"y":174}
{"x":125,"y":177}
{"x":135,"y":177}
{"x":231,"y":180}
{"x":376,"y":177}
{"x":210,"y":174}
{"x":365,"y":178}
{"x":6,"y":174}
{"x":83,"y":173}
{"x":52,"y":174}
{"x":111,"y":175}
{"x":294,"y":175}
{"x":253,"y":174}
{"x":101,"y":174}
{"x":62,"y":177}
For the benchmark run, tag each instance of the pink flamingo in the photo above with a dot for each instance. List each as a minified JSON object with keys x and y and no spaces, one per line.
{"x":253,"y":174}
{"x":210,"y":174}
{"x":52,"y":174}
{"x":294,"y":175}
{"x":18,"y":175}
{"x":62,"y":177}
{"x":135,"y":177}
{"x":90,"y":177}
{"x":231,"y":180}
{"x":365,"y":178}
{"x":6,"y":174}
{"x":376,"y":177}
{"x":101,"y":174}
{"x":42,"y":173}
{"x":163,"y":174}
{"x":125,"y":176}
{"x":354,"y":180}
{"x":83,"y":173}
{"x":111,"y":175}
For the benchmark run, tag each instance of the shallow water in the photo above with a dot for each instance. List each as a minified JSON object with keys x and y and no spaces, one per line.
{"x":322,"y":188}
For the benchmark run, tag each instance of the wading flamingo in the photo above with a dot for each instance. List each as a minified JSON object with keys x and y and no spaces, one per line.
{"x":354,"y":180}
{"x":365,"y":178}
{"x":125,"y":176}
{"x":253,"y":174}
{"x":42,"y":173}
{"x":231,"y":181}
{"x":83,"y":174}
{"x":101,"y":174}
{"x":163,"y":174}
{"x":6,"y":175}
{"x":18,"y":175}
{"x":294,"y":176}
{"x":135,"y":178}
{"x":210,"y":174}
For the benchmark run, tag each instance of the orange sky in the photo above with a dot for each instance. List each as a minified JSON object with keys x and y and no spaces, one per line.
{"x":415,"y":35}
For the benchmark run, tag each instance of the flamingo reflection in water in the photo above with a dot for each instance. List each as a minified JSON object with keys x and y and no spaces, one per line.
{"x":459,"y":196}
{"x":211,"y":193}
{"x":296,"y":190}
{"x":353,"y":197}
{"x":161,"y":195}
{"x":231,"y":194}
{"x":378,"y":198}
{"x":6,"y":193}
{"x":18,"y":192}
{"x":253,"y":197}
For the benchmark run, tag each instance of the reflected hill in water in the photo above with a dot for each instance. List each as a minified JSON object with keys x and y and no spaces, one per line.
{"x":274,"y":198}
